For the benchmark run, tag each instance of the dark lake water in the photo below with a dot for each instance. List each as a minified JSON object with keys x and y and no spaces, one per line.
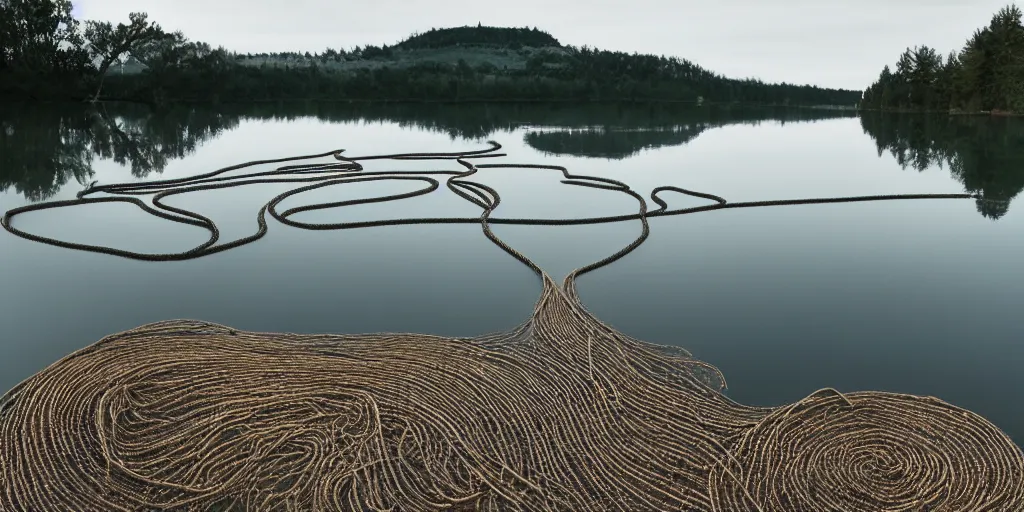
{"x":920,"y":297}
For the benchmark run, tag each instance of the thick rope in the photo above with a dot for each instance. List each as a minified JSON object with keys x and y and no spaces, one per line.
{"x":560,"y":413}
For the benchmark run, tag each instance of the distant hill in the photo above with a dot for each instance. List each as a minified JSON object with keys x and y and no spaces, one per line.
{"x":503,"y":37}
{"x":501,"y":48}
{"x":461,"y":64}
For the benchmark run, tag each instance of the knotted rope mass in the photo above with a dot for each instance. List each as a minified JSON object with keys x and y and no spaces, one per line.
{"x":561,"y":413}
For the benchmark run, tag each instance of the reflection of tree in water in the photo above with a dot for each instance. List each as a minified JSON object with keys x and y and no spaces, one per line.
{"x":985,"y":154}
{"x":146,"y":141}
{"x":43,"y":147}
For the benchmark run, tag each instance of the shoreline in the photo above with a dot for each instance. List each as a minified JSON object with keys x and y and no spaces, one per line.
{"x":978,"y":113}
{"x":454,"y":102}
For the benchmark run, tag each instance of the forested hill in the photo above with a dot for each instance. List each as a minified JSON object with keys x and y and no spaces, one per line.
{"x":499,"y":63}
{"x":48,"y":54}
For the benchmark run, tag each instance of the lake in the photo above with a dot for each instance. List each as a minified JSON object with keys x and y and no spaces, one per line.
{"x":918,"y":297}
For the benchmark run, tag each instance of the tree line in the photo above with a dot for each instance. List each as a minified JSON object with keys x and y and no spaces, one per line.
{"x":45,"y":53}
{"x":987,"y":75}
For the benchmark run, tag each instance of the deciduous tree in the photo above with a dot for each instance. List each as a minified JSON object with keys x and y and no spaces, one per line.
{"x":111,"y":43}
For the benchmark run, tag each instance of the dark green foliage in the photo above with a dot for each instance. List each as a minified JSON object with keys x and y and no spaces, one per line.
{"x":986,"y":75}
{"x":41,"y":53}
{"x":110,"y":43}
{"x":986,"y":155}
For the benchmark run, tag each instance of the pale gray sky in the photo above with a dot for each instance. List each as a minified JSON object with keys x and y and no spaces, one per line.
{"x":831,"y":43}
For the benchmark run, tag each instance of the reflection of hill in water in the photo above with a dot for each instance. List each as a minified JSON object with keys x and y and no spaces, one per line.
{"x":985,"y":154}
{"x":621,"y":140}
{"x":479,"y":120}
{"x":613,"y":144}
{"x":43,"y":147}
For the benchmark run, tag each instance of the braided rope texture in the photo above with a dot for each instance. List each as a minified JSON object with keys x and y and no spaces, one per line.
{"x":561,"y":413}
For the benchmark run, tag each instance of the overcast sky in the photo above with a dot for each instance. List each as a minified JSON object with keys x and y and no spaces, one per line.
{"x":831,"y":43}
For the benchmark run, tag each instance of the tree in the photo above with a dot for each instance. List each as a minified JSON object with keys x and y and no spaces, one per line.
{"x":924,"y":73}
{"x":164,"y":51}
{"x":1008,"y":52}
{"x":112,"y":43}
{"x":38,"y":40}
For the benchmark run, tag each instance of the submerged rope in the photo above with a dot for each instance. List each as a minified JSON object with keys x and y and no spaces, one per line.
{"x":561,"y":413}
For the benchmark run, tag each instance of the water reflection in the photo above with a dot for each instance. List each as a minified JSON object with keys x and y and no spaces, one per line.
{"x":147,"y":140}
{"x":612,"y":144}
{"x":479,"y":120}
{"x":617,"y":141}
{"x":43,"y":148}
{"x":985,"y":154}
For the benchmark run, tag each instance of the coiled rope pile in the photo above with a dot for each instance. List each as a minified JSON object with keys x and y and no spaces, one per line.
{"x":560,"y":413}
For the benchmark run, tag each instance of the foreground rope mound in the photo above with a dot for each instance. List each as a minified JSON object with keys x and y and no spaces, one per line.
{"x":560,"y":413}
{"x":844,"y":452}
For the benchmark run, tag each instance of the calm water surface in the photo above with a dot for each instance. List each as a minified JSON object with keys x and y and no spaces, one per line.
{"x":919,"y":297}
